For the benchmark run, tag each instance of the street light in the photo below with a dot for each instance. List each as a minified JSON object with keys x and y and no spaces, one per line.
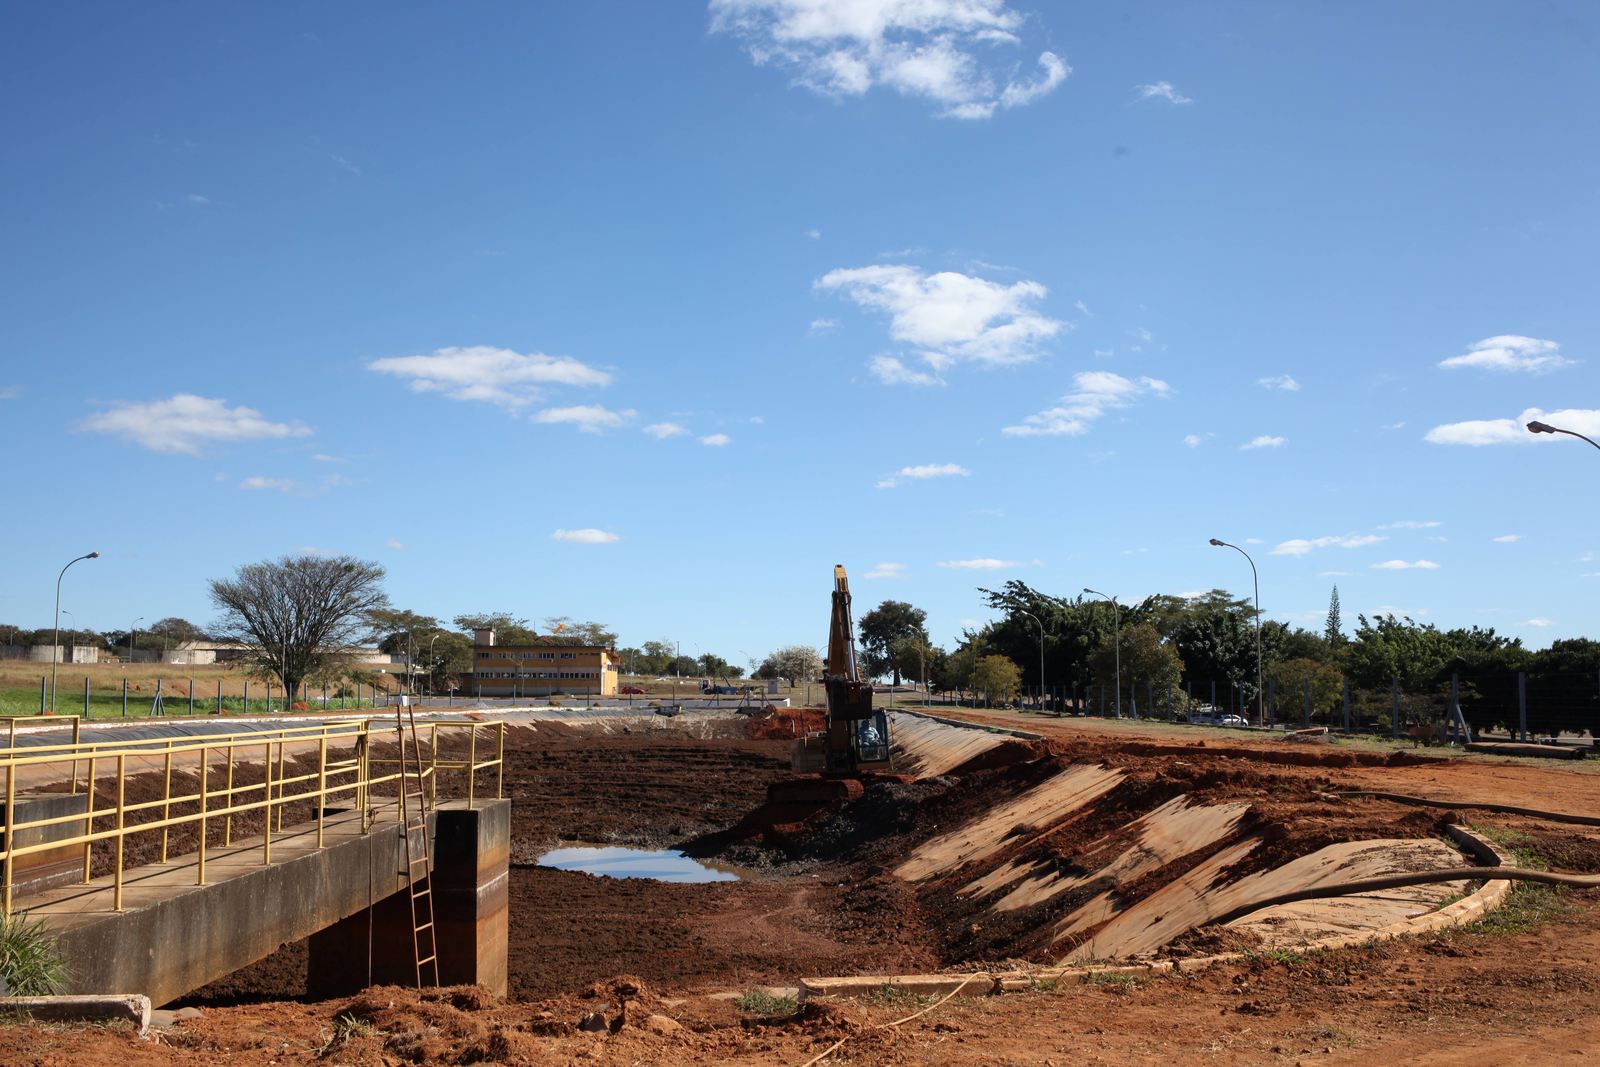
{"x":1116,"y":646}
{"x":133,"y":632}
{"x":1261,"y":693}
{"x":55,"y":649}
{"x":433,"y":665}
{"x":1035,"y":618}
{"x":1544,"y":427}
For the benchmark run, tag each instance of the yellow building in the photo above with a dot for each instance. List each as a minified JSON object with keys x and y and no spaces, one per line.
{"x":539,"y":669}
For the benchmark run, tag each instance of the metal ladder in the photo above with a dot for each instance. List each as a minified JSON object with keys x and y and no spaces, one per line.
{"x":414,"y":822}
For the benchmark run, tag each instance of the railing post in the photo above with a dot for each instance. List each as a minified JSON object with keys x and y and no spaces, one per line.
{"x":11,"y":830}
{"x":116,"y":890}
{"x":500,"y":762}
{"x":204,"y":806}
{"x":472,"y":761}
{"x":88,"y":820}
{"x":322,"y":784}
{"x":433,"y":769}
{"x":227,"y":822}
{"x":166,"y":801}
{"x":282,"y":756}
{"x":266,"y":793}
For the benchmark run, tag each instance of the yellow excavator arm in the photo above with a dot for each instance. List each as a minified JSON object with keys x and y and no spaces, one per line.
{"x":858,"y":736}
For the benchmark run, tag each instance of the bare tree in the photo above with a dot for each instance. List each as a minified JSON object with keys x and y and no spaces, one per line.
{"x":298,"y":615}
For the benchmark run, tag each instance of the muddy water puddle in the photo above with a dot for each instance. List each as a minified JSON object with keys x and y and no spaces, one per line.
{"x":660,"y":865}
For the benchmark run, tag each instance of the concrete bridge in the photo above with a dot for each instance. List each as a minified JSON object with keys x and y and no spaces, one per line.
{"x":340,"y":879}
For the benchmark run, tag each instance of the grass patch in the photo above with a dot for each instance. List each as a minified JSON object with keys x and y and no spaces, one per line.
{"x":760,"y":1002}
{"x":29,"y":960}
{"x":1529,"y":903}
{"x":1113,"y":980}
{"x":894,"y":996}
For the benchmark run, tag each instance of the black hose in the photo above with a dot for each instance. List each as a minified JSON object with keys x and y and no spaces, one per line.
{"x":1463,"y":805}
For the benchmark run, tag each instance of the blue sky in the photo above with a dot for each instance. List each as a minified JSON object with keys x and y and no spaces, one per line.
{"x":650,"y":313}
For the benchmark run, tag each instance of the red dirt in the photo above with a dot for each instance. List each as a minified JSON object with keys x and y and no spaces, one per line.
{"x":824,"y":907}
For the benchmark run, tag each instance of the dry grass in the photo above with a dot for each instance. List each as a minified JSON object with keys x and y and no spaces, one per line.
{"x":19,"y":688}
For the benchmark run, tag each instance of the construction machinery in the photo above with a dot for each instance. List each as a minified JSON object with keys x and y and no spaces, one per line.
{"x":856,"y":738}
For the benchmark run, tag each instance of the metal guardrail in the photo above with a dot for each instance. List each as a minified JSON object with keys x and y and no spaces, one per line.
{"x":346,"y":771}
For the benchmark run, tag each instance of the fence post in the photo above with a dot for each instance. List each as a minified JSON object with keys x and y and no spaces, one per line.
{"x":219,"y":696}
{"x":1394,"y":710}
{"x":41,"y":701}
{"x":86,"y":696}
{"x":1346,"y":705}
{"x":1305,"y":718}
{"x":124,"y":698}
{"x":1213,"y":696}
{"x":1522,"y":705}
{"x":247,"y":696}
{"x":191,"y":694}
{"x":1456,"y":718}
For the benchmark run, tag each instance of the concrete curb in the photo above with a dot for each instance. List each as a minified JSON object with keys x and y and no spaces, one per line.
{"x":131,"y":1007}
{"x":982,"y":983}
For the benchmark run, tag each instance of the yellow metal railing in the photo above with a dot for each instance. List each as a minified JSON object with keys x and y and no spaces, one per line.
{"x":343,"y":772}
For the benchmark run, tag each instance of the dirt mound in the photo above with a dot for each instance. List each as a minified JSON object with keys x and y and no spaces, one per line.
{"x":785,"y":724}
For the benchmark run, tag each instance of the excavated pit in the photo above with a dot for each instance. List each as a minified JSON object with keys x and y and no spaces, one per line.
{"x":1000,"y":849}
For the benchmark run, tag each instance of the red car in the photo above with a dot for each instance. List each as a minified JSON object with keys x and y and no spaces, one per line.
{"x":631,"y":690}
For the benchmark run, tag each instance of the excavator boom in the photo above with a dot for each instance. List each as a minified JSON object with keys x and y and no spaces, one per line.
{"x":857,"y":735}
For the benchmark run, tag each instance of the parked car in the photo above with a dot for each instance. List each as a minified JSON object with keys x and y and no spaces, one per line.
{"x":631,"y":690}
{"x":1233,"y":720}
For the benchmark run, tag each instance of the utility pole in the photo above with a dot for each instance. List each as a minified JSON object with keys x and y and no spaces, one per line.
{"x":1116,"y":647}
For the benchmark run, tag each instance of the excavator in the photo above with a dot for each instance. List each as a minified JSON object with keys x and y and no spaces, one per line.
{"x":856,"y":738}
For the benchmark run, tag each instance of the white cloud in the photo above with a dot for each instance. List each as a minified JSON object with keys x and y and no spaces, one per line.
{"x":1510,"y":352}
{"x":281,"y":485}
{"x":1395,"y":425}
{"x":1281,"y":382}
{"x":1253,"y":541}
{"x":587,"y":536}
{"x":185,"y":422}
{"x":922,"y":472}
{"x":590,"y":418}
{"x":1506,"y":539}
{"x":716,"y":440}
{"x":323,"y":457}
{"x":395,"y":544}
{"x":198,"y":200}
{"x":10,"y":392}
{"x":757,"y":420}
{"x":1541,"y":622}
{"x":1334,"y":574}
{"x":1412,"y":524}
{"x":314,"y":550}
{"x":934,"y":470}
{"x":1082,"y":307}
{"x":1402,"y":565}
{"x":824,"y":325}
{"x":1096,"y":393}
{"x":1195,"y":440}
{"x":345,"y":165}
{"x":1264,"y":441}
{"x":814,"y":234}
{"x":886,"y":570}
{"x":663,"y":430}
{"x":494,"y":375}
{"x":890,"y":371}
{"x":980,"y":564}
{"x":1515,"y":431}
{"x":949,"y":52}
{"x":1301,"y":546}
{"x":1162,"y":91}
{"x":948,"y":316}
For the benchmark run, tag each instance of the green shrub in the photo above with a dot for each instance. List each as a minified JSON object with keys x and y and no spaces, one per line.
{"x":29,"y":961}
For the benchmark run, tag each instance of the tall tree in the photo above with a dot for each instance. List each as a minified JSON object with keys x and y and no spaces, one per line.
{"x":297,"y":616}
{"x":796,"y":663}
{"x":1332,"y":630}
{"x":997,"y":677}
{"x":508,"y":629}
{"x":1147,"y":662}
{"x":879,"y":629}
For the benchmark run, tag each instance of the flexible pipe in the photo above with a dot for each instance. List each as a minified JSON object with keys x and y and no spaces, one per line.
{"x":1462,"y":805}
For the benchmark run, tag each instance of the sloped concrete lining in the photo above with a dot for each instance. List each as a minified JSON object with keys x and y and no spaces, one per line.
{"x":979,"y":983}
{"x":927,"y":747}
{"x":174,"y":936}
{"x":1044,"y":804}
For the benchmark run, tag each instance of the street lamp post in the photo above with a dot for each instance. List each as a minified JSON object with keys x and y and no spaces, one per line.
{"x":433,"y":664}
{"x":1116,"y":642}
{"x":1544,"y":427}
{"x":133,"y":631}
{"x":1035,"y":618}
{"x":55,"y":649}
{"x":1261,"y":693}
